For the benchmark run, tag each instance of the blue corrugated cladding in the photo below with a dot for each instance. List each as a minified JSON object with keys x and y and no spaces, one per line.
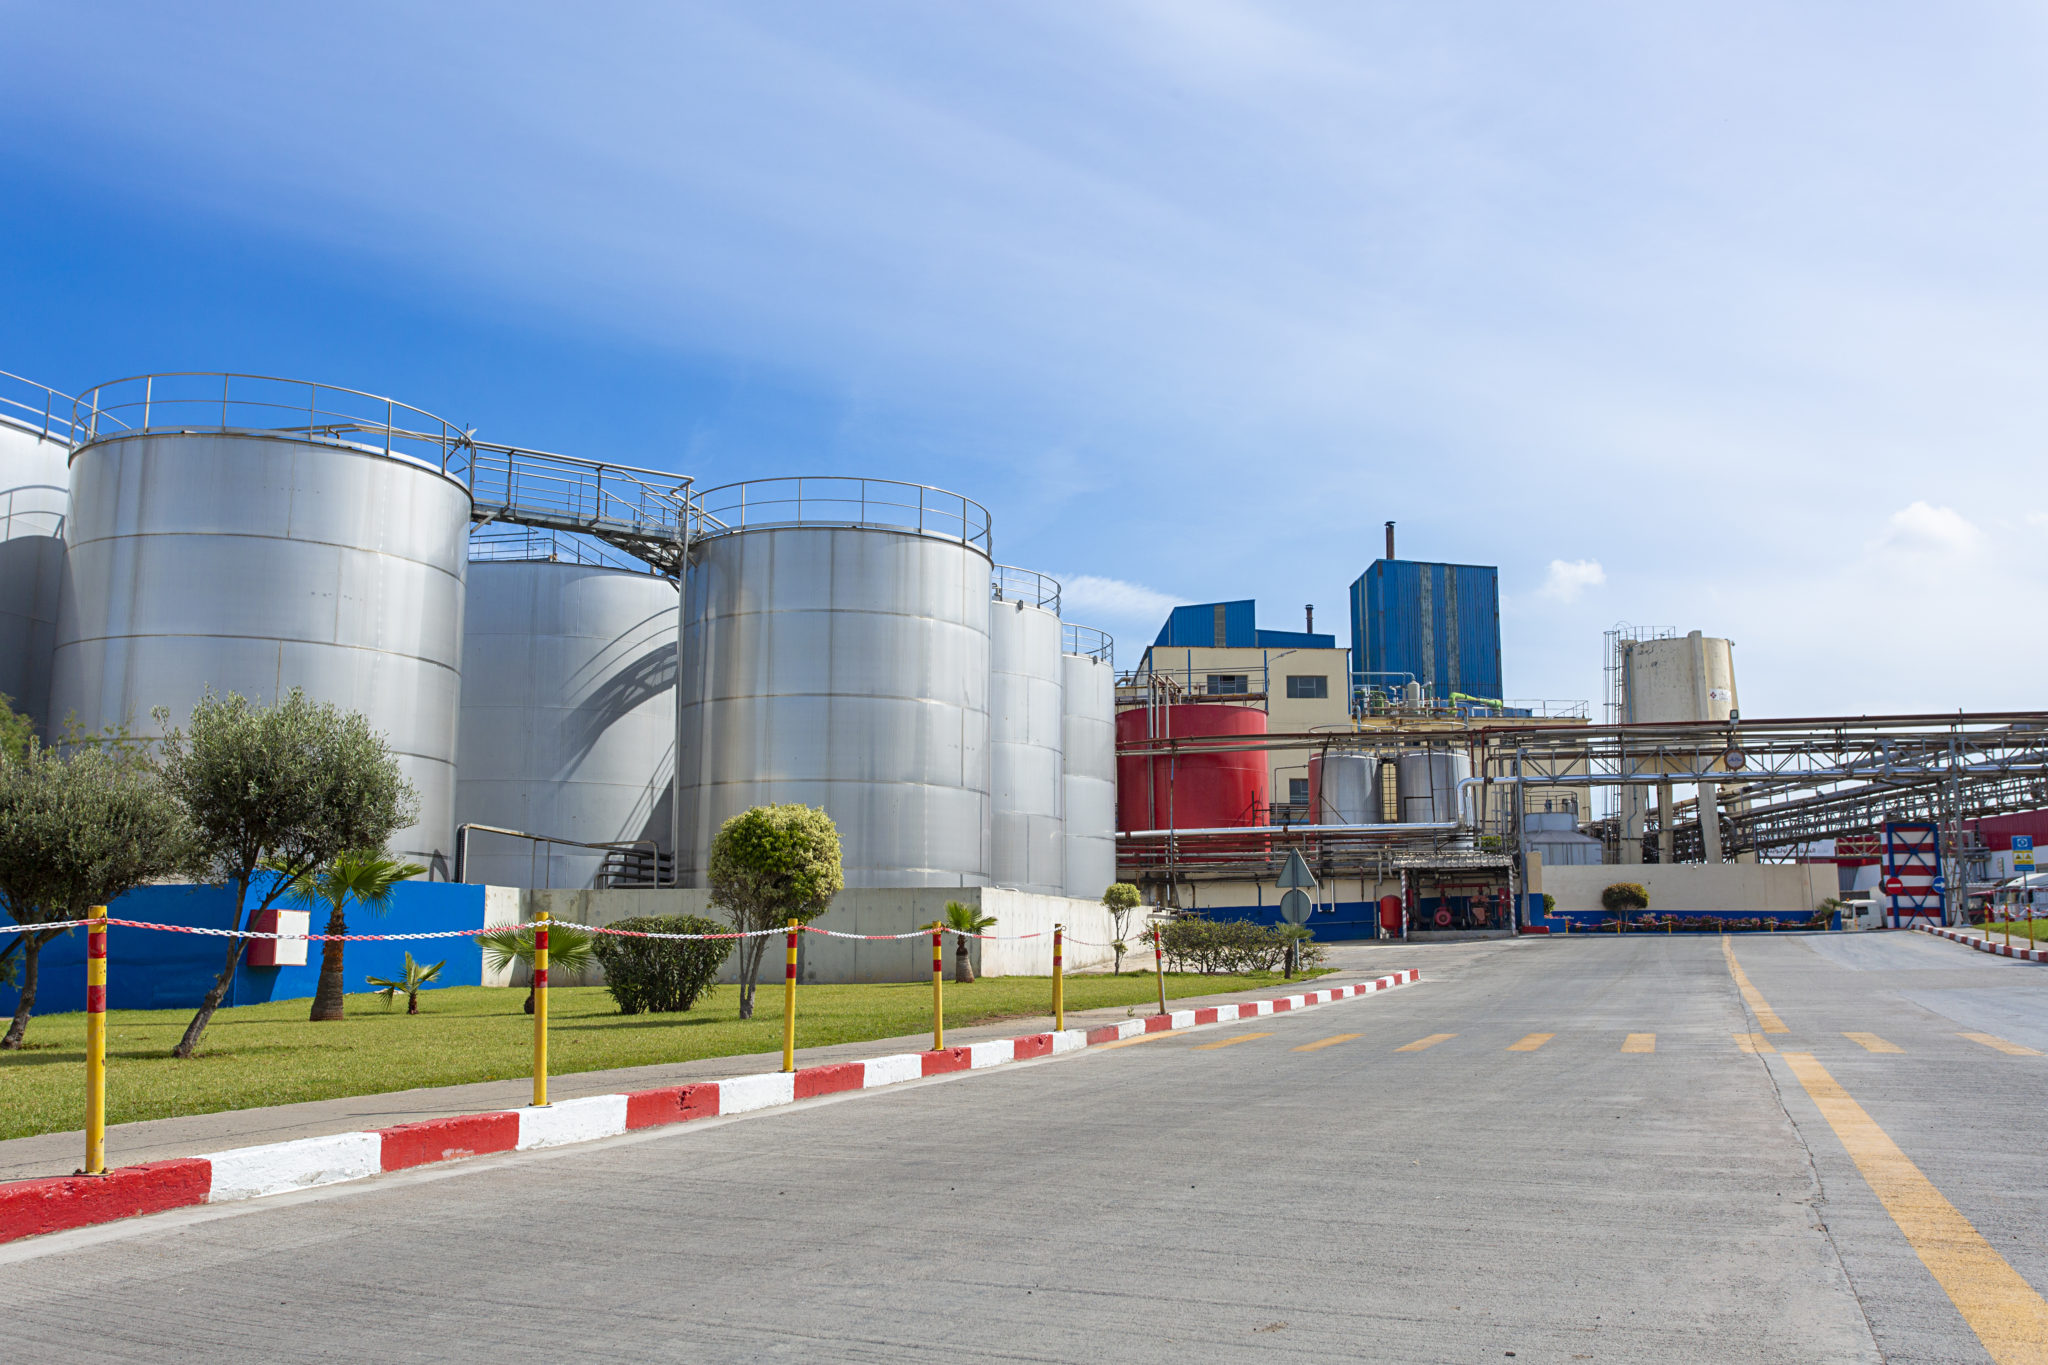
{"x":1440,"y":622}
{"x":1231,"y":625}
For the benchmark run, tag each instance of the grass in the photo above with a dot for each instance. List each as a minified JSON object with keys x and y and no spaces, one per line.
{"x":2020,"y":928}
{"x":270,"y":1054}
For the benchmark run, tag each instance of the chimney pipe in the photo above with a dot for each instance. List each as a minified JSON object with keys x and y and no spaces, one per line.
{"x":1311,"y":609}
{"x":1390,"y":540}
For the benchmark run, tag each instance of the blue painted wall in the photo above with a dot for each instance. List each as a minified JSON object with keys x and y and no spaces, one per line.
{"x":147,"y":969}
{"x":1194,"y":627}
{"x":1440,"y":622}
{"x":1350,"y":920}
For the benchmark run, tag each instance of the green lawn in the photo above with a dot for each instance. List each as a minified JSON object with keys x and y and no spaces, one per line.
{"x":271,"y":1054}
{"x":2019,"y":929}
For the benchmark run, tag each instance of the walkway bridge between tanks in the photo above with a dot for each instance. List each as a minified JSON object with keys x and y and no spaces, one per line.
{"x":647,"y":513}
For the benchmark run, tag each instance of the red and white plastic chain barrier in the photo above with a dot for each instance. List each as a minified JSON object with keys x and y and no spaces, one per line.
{"x":481,"y":933}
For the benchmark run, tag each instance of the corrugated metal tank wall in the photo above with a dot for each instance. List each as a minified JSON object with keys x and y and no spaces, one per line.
{"x":1028,"y":834}
{"x":844,"y":667}
{"x":1088,"y":762}
{"x":34,"y":494}
{"x":258,"y":563}
{"x":568,"y":716}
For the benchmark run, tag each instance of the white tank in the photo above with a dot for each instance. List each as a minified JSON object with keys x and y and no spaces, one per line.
{"x":1688,"y":679}
{"x":35,"y":481}
{"x":1428,"y":786}
{"x":1344,"y":789}
{"x":1027,"y":831}
{"x":568,"y":715}
{"x":1088,"y":768}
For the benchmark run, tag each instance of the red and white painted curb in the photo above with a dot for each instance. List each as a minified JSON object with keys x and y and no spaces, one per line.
{"x":1984,"y":945}
{"x":30,"y":1207}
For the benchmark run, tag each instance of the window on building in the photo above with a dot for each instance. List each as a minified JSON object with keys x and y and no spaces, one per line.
{"x":1309,"y":687}
{"x":1297,"y":791}
{"x":1229,"y":682}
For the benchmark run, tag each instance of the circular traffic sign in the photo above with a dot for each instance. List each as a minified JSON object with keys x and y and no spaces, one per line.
{"x":1894,"y":887}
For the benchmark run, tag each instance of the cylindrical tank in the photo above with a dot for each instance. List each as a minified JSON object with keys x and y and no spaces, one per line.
{"x":35,"y":426}
{"x":835,"y":653}
{"x":1088,"y":762}
{"x":1691,"y":678}
{"x":1028,"y":835}
{"x":1190,"y":790}
{"x":1344,"y":789}
{"x":1428,"y":785}
{"x":568,"y":716}
{"x":204,"y":551}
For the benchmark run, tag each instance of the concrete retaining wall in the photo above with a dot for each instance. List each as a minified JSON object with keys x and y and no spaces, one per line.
{"x":1699,"y":888}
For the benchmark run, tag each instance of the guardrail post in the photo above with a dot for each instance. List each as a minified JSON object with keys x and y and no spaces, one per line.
{"x":1159,"y":964}
{"x":96,"y":1042}
{"x":938,"y":988}
{"x":1059,"y":996}
{"x":788,"y":998}
{"x":540,"y":1011}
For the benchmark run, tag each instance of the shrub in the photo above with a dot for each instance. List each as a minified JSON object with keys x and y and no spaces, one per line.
{"x":1624,"y":896}
{"x":1209,"y":947}
{"x":661,"y":975}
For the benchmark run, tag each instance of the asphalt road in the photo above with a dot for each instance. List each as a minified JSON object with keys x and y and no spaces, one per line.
{"x":1550,"y":1151}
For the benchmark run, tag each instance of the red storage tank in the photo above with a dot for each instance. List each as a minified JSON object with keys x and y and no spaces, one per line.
{"x":1191,"y":791}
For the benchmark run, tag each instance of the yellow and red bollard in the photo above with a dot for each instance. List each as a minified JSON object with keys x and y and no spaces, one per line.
{"x":540,"y":1011}
{"x":789,"y":1003}
{"x":1159,"y":964}
{"x":1059,"y":993}
{"x":938,"y":988}
{"x":96,"y":1042}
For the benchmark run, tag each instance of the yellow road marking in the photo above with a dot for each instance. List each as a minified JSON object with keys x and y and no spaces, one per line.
{"x":1531,"y":1043}
{"x":1753,"y":1042}
{"x":1420,"y":1043}
{"x":1133,"y":1042}
{"x":1231,"y":1042}
{"x":1328,"y":1042}
{"x":2000,"y":1307}
{"x":1639,"y":1042}
{"x":1993,"y":1040}
{"x":1767,"y":1018}
{"x":1870,"y":1042}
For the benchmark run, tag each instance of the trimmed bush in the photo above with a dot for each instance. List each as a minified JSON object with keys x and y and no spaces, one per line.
{"x":1213,"y":947}
{"x":661,"y":975}
{"x":1624,"y":896}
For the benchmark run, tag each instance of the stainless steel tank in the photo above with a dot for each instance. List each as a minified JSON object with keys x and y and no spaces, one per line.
{"x":324,"y":551}
{"x":1088,"y":768}
{"x":35,"y":481}
{"x":1346,"y":788}
{"x":1026,"y":798}
{"x":568,"y":712}
{"x":835,"y":653}
{"x":1428,"y":785}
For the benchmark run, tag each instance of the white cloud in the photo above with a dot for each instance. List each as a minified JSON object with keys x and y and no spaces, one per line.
{"x":1112,"y":599}
{"x":1925,"y":529}
{"x":1569,"y":578}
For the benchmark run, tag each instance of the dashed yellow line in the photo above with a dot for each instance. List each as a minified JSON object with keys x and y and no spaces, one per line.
{"x":1327,"y":1042}
{"x":1993,"y":1040}
{"x":1639,"y":1042}
{"x":1766,"y":1018}
{"x":1870,"y":1042}
{"x":1231,"y":1042}
{"x":1753,"y":1042}
{"x":2005,"y":1312}
{"x":1431,"y":1041}
{"x":1133,"y":1042}
{"x":1531,"y":1043}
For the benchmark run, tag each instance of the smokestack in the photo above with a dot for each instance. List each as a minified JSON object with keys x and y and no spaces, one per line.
{"x":1311,"y":610}
{"x":1390,"y":540}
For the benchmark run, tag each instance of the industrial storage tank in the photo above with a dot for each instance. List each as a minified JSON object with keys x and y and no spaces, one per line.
{"x":1191,"y":790}
{"x":1088,"y":760}
{"x":568,"y":709}
{"x":1344,"y":789}
{"x":1428,"y":785}
{"x":1674,"y":680}
{"x":1026,"y":805}
{"x":835,"y":653}
{"x":35,"y":482}
{"x":254,"y":535}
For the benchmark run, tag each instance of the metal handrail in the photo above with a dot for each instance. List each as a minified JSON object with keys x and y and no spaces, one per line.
{"x":1008,"y":583}
{"x":597,"y":494}
{"x":39,"y":407}
{"x":511,"y":543}
{"x":270,"y":405}
{"x":1096,"y":644}
{"x":462,"y":833}
{"x":841,"y":500}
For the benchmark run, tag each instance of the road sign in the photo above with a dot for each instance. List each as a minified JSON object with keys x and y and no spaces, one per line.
{"x":1296,"y":872}
{"x":2023,"y":852}
{"x":1894,"y":887}
{"x":1295,"y":906}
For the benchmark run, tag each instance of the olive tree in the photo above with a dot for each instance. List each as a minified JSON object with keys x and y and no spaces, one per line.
{"x":281,"y":791}
{"x":1120,"y":899}
{"x":76,"y":831}
{"x":771,"y":865}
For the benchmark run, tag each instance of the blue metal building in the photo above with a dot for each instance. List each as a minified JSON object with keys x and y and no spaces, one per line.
{"x":1233,"y":625}
{"x":1438,"y":622}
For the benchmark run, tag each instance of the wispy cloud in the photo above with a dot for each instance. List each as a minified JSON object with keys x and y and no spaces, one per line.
{"x":1116,"y":600}
{"x":1569,"y":578}
{"x":1922,"y":528}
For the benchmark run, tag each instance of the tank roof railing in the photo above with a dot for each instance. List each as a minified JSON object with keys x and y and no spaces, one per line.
{"x":647,"y":513}
{"x":501,"y":542}
{"x":1087,"y":640}
{"x":837,"y":500}
{"x":1008,"y":583}
{"x":38,"y":407}
{"x":268,"y":405}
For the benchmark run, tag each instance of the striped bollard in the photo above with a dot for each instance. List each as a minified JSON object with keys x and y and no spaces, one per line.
{"x":789,"y":1003}
{"x":540,"y":1011}
{"x":96,"y":1042}
{"x":1059,"y":994}
{"x":1159,"y":964}
{"x":938,"y":988}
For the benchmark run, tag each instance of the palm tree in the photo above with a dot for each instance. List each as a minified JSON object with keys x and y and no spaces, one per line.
{"x":570,"y":949}
{"x":365,"y":877}
{"x":968,"y":921}
{"x":415,"y":980}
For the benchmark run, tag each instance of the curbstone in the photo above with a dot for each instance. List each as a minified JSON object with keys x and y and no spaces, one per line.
{"x":421,"y":1144}
{"x":52,"y":1204}
{"x":250,"y":1172}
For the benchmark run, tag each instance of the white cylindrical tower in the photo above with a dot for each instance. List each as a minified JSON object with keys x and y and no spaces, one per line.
{"x":1028,"y":833}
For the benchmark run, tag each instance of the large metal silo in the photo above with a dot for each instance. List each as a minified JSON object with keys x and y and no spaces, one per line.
{"x":568,"y":708}
{"x":35,"y":441}
{"x":1026,"y":798}
{"x":256,"y":535}
{"x":835,"y":653}
{"x":1088,"y":761}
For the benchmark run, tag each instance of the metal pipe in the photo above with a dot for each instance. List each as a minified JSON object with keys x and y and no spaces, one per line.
{"x":1273,"y":831}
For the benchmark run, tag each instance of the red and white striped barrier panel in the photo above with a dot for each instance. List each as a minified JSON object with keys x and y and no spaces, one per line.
{"x":30,"y":1207}
{"x":1984,"y":945}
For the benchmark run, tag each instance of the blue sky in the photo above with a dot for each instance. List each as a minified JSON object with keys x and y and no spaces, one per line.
{"x":1718,"y":317}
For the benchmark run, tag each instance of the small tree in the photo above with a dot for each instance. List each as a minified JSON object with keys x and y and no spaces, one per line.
{"x":283,"y":789}
{"x":660,"y":975}
{"x":1623,"y":897}
{"x":1120,"y":900}
{"x":77,"y":831}
{"x":16,"y":730}
{"x":571,"y":948}
{"x":363,"y":877}
{"x":416,"y":979}
{"x":771,"y":865}
{"x":967,"y":919}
